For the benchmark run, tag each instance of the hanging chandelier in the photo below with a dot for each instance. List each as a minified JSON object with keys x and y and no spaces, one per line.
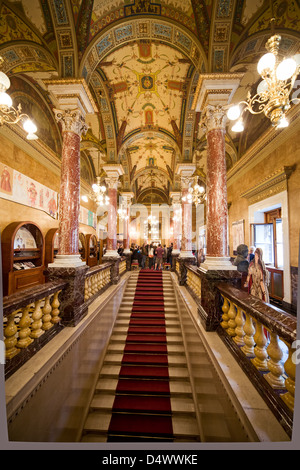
{"x":196,"y":195}
{"x":10,"y":115}
{"x":98,"y":194}
{"x":152,"y":220}
{"x":123,"y":213}
{"x":273,"y":93}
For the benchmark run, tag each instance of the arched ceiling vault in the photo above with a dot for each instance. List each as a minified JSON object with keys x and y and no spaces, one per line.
{"x":141,"y":60}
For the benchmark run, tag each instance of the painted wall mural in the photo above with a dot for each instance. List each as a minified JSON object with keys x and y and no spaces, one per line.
{"x":21,"y":189}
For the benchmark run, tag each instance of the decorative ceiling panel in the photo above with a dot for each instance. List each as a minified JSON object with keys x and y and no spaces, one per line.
{"x":146,"y":83}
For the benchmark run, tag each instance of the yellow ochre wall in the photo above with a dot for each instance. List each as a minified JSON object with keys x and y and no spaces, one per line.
{"x":285,"y":153}
{"x":16,"y":158}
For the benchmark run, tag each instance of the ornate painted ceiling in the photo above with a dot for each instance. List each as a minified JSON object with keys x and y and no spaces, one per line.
{"x":141,"y":60}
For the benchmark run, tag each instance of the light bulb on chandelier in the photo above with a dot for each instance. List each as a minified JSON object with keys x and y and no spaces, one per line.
{"x":273,"y":93}
{"x":10,"y":115}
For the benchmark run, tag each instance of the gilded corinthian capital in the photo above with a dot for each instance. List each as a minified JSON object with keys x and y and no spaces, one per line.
{"x":71,"y":120}
{"x":214,"y":117}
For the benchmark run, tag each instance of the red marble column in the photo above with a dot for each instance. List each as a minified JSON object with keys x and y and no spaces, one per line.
{"x":126,"y":202}
{"x":111,"y":245}
{"x":177,"y":224}
{"x":73,"y":125}
{"x":113,"y":172}
{"x":186,"y":240}
{"x":217,"y":211}
{"x":216,"y":187}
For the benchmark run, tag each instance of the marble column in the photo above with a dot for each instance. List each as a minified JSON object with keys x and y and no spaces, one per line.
{"x":186,"y":173}
{"x":72,"y":101}
{"x":73,"y":126}
{"x":217,"y":266}
{"x":126,"y":203}
{"x":186,"y":254}
{"x":68,"y":265}
{"x":217,"y":257}
{"x":176,"y":204}
{"x":113,"y":173}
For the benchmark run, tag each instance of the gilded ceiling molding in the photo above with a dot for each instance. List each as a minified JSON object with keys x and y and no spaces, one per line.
{"x":130,"y":30}
{"x":63,"y":21}
{"x":273,"y":184}
{"x":71,"y":93}
{"x":215,"y":88}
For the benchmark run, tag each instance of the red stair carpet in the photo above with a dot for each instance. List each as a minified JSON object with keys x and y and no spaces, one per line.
{"x":142,"y":406}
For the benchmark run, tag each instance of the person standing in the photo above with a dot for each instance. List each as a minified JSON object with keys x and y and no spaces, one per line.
{"x":257,"y":277}
{"x":151,"y":256}
{"x":144,"y":254}
{"x":169,"y":254}
{"x":159,"y":257}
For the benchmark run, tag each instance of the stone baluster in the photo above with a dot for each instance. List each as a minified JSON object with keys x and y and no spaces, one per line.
{"x":94,"y":284}
{"x":47,"y":315}
{"x":290,"y":369}
{"x":249,"y":330}
{"x":231,"y":321}
{"x":36,"y":326}
{"x":274,"y":377}
{"x":55,"y":309}
{"x":225,"y":317}
{"x":240,"y":333}
{"x":24,"y":329}
{"x":261,"y":355}
{"x":10,"y":340}
{"x":86,"y":289}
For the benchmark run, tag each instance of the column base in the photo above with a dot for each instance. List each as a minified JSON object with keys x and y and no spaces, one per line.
{"x":183,"y":262}
{"x":111,"y":254}
{"x":209,"y":310}
{"x":212,"y":263}
{"x":186,"y":254}
{"x":115,"y":258}
{"x":67,"y":261}
{"x":73,"y":306}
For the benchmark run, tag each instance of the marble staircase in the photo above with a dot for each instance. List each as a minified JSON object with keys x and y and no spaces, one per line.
{"x":201,"y":409}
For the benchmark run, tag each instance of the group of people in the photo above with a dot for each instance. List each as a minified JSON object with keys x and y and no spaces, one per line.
{"x":151,"y":255}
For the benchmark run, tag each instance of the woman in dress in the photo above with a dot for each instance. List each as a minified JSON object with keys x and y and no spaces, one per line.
{"x":257,"y":277}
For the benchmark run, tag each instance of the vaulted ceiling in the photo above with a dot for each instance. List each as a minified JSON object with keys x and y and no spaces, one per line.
{"x":141,"y":60}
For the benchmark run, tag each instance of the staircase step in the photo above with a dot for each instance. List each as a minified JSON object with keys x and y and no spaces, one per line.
{"x":144,"y":376}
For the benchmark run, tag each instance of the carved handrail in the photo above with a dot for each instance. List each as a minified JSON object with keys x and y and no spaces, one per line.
{"x":100,"y":267}
{"x":263,"y":339}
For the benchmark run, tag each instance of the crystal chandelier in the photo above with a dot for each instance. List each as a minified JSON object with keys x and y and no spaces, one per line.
{"x":10,"y":115}
{"x":273,"y":93}
{"x":123,"y":213}
{"x":152,"y":220}
{"x":98,"y":194}
{"x":196,"y":195}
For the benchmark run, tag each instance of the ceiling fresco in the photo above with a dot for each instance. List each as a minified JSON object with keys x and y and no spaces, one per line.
{"x":141,"y":60}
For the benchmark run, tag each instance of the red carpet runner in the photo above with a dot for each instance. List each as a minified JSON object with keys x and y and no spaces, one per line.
{"x":142,"y":407}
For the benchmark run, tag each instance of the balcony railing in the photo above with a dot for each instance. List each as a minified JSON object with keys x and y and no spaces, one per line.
{"x":261,"y":338}
{"x":97,"y":279}
{"x":30,"y":318}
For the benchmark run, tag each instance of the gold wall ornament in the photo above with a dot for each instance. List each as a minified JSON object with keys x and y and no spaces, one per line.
{"x":269,"y":186}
